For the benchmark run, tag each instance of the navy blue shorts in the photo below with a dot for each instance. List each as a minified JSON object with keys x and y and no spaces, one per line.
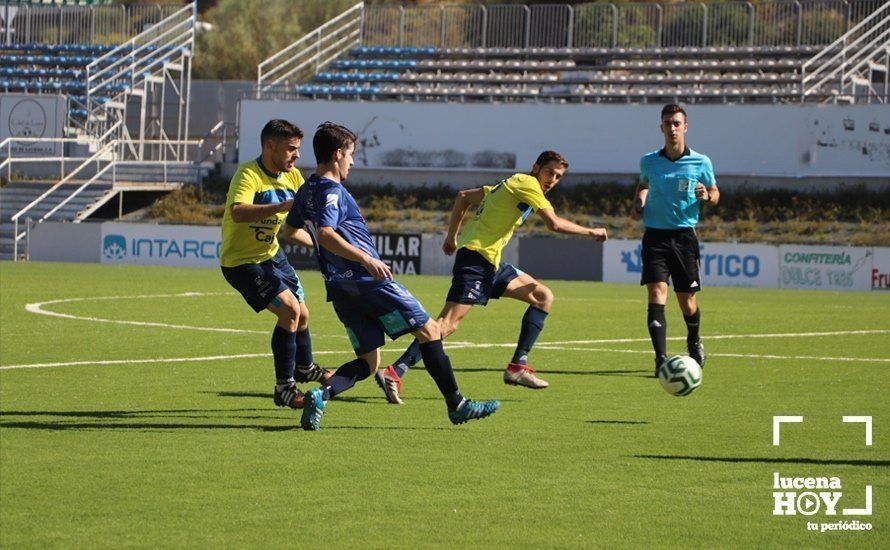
{"x":261,"y":283}
{"x":475,"y":281}
{"x":388,"y":309}
{"x":671,"y":255}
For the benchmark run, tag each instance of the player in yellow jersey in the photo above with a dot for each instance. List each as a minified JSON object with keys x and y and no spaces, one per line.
{"x":479,"y":274}
{"x":259,"y":198}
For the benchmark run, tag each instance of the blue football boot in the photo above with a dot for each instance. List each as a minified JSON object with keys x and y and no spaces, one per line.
{"x":470,"y":410}
{"x":313,"y":410}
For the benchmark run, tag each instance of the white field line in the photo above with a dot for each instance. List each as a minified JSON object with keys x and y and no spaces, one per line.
{"x":725,"y":337}
{"x":548,"y":347}
{"x":452,"y":344}
{"x":38,"y":309}
{"x":808,"y":357}
{"x":154,"y":361}
{"x":739,"y":355}
{"x":565,"y":345}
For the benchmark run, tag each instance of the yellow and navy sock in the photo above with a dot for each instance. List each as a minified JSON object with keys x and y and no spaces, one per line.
{"x":408,"y":359}
{"x":304,"y":348}
{"x":532,"y":325}
{"x":346,"y":377}
{"x":284,"y":348}
{"x":439,"y":367}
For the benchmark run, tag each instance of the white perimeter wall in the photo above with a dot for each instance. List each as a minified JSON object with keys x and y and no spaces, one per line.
{"x":742,"y":140}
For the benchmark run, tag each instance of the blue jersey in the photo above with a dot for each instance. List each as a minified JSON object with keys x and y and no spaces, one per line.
{"x":671,"y":203}
{"x":321,"y":202}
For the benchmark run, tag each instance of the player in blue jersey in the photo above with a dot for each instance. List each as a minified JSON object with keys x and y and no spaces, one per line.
{"x":367,"y":300}
{"x":260,"y":195}
{"x":674,"y":181}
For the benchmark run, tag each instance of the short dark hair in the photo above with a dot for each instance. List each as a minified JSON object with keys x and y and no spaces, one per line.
{"x":671,"y":109}
{"x":280,"y":129}
{"x":549,"y":156}
{"x":328,"y":138}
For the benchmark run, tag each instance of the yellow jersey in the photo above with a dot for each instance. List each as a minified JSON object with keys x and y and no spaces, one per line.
{"x":255,"y":242}
{"x":503,"y":209}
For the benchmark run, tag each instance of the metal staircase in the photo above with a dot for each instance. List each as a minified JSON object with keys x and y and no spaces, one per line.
{"x":108,"y":173}
{"x":15,"y":196}
{"x":854,"y":68}
{"x":308,"y":55}
{"x":143,"y":70}
{"x":108,"y":157}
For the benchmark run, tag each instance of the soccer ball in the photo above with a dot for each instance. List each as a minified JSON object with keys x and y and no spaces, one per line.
{"x":679,"y":375}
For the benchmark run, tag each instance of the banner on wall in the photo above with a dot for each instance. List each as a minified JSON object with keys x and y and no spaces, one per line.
{"x":174,"y":245}
{"x":880,"y":273}
{"x":199,"y":246}
{"x":751,"y":265}
{"x":622,"y":261}
{"x":401,"y":252}
{"x":722,"y":264}
{"x":825,"y":267}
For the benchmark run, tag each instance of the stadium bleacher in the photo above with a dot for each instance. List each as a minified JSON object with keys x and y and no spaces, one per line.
{"x":568,"y":74}
{"x":62,"y":68}
{"x":590,"y":52}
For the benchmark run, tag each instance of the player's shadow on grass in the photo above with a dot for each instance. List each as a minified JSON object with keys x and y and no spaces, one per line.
{"x":768,"y":460}
{"x":145,"y":420}
{"x":616,"y":422}
{"x":130,"y":420}
{"x":342,"y":398}
{"x":166,"y":427}
{"x":163,"y":413}
{"x":136,"y":426}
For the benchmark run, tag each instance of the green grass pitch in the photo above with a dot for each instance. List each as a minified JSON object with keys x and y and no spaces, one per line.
{"x":125,"y":422}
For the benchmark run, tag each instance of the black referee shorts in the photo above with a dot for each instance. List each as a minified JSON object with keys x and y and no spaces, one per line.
{"x":671,"y":255}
